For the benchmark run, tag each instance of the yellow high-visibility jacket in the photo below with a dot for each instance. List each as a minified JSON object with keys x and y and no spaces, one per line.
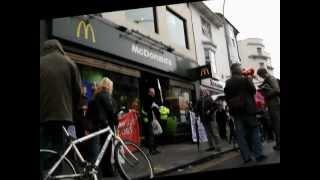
{"x":164,"y":112}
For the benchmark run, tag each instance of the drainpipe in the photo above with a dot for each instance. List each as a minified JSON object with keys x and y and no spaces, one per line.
{"x":195,"y":48}
{"x":225,"y":33}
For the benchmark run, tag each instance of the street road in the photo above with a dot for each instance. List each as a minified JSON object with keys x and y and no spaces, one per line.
{"x":230,"y":160}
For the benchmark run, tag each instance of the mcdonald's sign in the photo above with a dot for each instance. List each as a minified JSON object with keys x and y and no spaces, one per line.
{"x":85,"y":28}
{"x":205,"y":71}
{"x":202,"y":72}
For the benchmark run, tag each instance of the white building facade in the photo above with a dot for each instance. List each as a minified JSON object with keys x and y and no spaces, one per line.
{"x":253,"y":55}
{"x":211,"y":45}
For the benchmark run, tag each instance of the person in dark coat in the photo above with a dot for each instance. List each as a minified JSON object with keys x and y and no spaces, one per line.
{"x":222,"y":119}
{"x":271,"y":91}
{"x":239,"y":94}
{"x":151,"y":108}
{"x":60,"y":91}
{"x":206,"y":109}
{"x":102,"y":113}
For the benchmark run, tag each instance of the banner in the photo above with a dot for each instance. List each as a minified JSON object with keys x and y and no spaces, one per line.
{"x":128,"y":128}
{"x":202,"y":131}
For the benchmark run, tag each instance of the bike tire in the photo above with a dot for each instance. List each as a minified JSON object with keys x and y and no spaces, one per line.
{"x":128,"y":166}
{"x":66,"y":165}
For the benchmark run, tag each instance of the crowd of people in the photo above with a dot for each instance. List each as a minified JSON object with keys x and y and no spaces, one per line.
{"x":240,"y":95}
{"x":62,"y":103}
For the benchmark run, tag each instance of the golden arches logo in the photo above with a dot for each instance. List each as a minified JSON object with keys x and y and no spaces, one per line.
{"x":204,"y":72}
{"x":86,"y":28}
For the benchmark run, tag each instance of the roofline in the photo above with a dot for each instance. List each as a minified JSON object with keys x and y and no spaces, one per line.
{"x":237,"y":31}
{"x":216,"y":20}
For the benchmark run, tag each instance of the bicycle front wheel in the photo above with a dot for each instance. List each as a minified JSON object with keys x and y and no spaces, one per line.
{"x":47,"y":160}
{"x":132,"y":167}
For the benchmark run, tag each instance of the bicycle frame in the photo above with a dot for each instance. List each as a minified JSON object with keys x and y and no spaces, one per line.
{"x":72,"y":145}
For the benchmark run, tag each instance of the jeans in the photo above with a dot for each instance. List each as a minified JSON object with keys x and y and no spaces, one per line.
{"x":248,"y":138}
{"x":150,"y":137}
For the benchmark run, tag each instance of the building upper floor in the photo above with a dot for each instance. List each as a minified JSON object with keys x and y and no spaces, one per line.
{"x":211,"y":39}
{"x":253,"y":48}
{"x":253,"y":54}
{"x":171,"y":25}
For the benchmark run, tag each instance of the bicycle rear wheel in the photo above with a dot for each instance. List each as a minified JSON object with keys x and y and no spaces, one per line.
{"x":129,"y":167}
{"x":48,"y":158}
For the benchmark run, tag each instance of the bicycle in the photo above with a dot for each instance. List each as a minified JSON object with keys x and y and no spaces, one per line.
{"x":127,"y":155}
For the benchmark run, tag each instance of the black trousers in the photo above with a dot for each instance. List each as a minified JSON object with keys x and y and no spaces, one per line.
{"x":150,"y":137}
{"x":274,"y":112}
{"x":222,"y":124}
{"x":105,"y":165}
{"x":52,"y":137}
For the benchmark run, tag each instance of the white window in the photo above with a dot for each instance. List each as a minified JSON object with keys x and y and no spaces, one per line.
{"x":210,"y":58}
{"x":177,"y":29}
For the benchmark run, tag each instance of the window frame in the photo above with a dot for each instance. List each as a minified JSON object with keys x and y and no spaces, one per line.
{"x":155,"y":19}
{"x":185,"y":28}
{"x":214,"y":71}
{"x":259,"y":50}
{"x":203,"y":20}
{"x":233,"y":42}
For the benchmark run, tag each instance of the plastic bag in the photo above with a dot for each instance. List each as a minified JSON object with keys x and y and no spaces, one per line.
{"x":157,"y":129}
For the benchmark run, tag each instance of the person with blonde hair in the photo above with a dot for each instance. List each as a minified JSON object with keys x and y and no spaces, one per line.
{"x":102,"y":113}
{"x":106,"y":85}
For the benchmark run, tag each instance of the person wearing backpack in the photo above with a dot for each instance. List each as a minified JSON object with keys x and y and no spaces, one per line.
{"x":271,"y":91}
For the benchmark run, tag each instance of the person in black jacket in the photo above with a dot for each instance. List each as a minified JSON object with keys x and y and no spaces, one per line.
{"x":151,"y":108}
{"x":222,"y":120}
{"x":102,"y":113}
{"x":60,"y":90}
{"x":271,"y":92}
{"x":239,"y":93}
{"x":206,"y":109}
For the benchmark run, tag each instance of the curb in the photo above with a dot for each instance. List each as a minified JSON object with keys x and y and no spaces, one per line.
{"x":198,"y":161}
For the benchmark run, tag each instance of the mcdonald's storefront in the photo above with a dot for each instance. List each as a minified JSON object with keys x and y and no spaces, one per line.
{"x":103,"y":49}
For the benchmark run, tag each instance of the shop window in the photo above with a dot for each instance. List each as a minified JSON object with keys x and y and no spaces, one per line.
{"x":178,"y":100}
{"x":125,"y":88}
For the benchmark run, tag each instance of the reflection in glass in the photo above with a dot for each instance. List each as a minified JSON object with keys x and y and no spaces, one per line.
{"x":176,"y":29}
{"x":142,"y":17}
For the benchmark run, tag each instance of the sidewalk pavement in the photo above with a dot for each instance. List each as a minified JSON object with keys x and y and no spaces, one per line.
{"x":179,"y":156}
